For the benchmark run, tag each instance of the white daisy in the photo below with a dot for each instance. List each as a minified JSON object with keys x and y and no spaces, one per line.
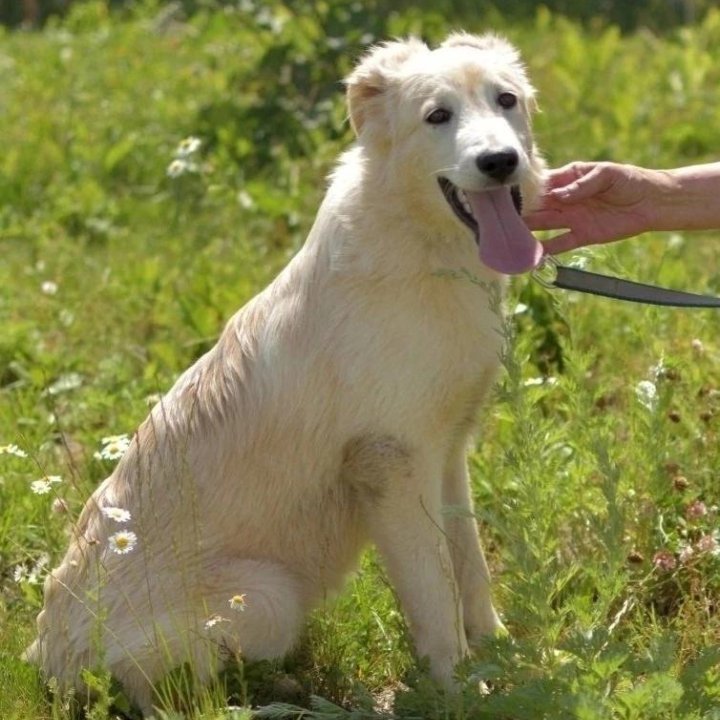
{"x":115,"y":513}
{"x":122,"y":542}
{"x":40,"y":487}
{"x":44,"y":485}
{"x":114,"y":447}
{"x":113,"y":438}
{"x":237,"y":602}
{"x":20,"y":574}
{"x":12,"y":449}
{"x":211,"y":622}
{"x":188,"y":146}
{"x":34,"y":575}
{"x":49,"y":287}
{"x":177,"y":168}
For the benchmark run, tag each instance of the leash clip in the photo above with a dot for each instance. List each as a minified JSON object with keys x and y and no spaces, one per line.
{"x":546,"y":272}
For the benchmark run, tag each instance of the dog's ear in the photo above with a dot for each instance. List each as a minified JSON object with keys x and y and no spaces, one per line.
{"x":370,"y":81}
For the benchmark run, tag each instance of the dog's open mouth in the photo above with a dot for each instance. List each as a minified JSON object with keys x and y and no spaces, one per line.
{"x":505,"y":243}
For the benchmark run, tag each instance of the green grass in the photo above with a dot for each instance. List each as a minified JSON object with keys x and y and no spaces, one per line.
{"x":578,"y":484}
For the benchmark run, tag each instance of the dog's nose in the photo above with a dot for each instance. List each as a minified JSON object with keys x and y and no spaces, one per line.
{"x":498,"y":165}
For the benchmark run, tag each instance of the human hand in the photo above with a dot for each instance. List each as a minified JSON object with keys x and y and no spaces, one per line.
{"x":595,"y":203}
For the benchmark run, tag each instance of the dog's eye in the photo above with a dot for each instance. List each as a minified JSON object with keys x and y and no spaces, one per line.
{"x":438,"y":116}
{"x":507,"y":100}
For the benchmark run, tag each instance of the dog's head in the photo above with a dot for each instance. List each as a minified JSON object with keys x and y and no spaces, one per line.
{"x":454,"y":124}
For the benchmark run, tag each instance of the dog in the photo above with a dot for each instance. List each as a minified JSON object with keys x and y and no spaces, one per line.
{"x":336,"y":408}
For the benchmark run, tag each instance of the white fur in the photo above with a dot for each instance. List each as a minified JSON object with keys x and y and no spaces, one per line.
{"x":335,"y":409}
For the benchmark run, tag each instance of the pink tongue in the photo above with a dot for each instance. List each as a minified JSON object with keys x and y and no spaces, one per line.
{"x":506,"y":244}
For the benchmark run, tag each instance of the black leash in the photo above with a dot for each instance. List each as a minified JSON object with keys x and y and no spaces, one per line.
{"x":552,"y":275}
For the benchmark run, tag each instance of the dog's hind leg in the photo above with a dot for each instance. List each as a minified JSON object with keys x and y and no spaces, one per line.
{"x":249,"y":609}
{"x":258,"y":603}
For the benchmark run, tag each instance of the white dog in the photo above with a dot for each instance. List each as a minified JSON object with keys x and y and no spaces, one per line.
{"x":336,"y":407}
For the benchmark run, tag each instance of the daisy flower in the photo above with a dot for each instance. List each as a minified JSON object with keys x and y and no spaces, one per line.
{"x":177,"y":168}
{"x":237,"y":602}
{"x":211,"y":622}
{"x":20,"y":574}
{"x":114,"y":447}
{"x":188,"y":146}
{"x":44,"y":485}
{"x":122,"y":542}
{"x":12,"y":449}
{"x":33,"y":575}
{"x":115,"y":513}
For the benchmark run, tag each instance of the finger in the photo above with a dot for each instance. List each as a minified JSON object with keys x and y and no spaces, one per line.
{"x":593,"y":182}
{"x":567,"y":174}
{"x":562,"y":243}
{"x":546,"y":219}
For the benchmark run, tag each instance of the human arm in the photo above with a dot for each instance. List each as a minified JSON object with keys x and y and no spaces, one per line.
{"x":601,"y":202}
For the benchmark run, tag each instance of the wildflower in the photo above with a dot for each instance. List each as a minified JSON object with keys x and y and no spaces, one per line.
{"x":20,"y":573}
{"x":580,"y":261}
{"x":664,"y":560}
{"x":646,"y":393}
{"x":122,"y":542}
{"x":44,"y":485}
{"x":178,"y":167}
{"x":534,"y":382}
{"x":237,"y":602}
{"x":245,"y":200}
{"x":12,"y":449}
{"x":49,"y":287}
{"x":708,"y":544}
{"x":697,"y":346}
{"x":685,"y":554}
{"x":211,"y":622}
{"x":60,"y":507}
{"x":114,"y":438}
{"x":65,"y":383}
{"x":33,"y":575}
{"x":114,"y":447}
{"x":115,"y":513}
{"x":695,"y":510}
{"x":187,"y":147}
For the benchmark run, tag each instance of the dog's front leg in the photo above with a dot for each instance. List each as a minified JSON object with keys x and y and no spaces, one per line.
{"x":471,"y":570}
{"x":405,"y":522}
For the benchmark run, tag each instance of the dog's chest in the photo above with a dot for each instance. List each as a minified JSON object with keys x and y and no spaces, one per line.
{"x":424,"y":347}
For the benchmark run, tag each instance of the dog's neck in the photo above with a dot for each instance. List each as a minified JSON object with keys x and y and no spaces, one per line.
{"x":379,"y":227}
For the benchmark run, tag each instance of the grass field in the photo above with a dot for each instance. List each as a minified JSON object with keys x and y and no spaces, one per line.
{"x":596,"y":474}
